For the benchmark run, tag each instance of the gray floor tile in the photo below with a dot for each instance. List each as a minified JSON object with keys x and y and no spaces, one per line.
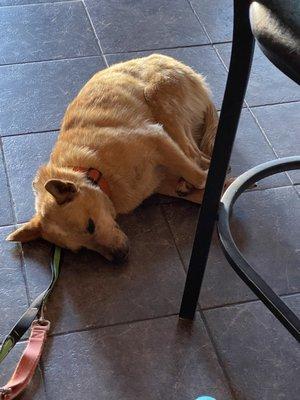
{"x":250,"y":149}
{"x":259,"y":355}
{"x":24,"y":154}
{"x":6,"y":214}
{"x":267,"y":85}
{"x":202,"y":59}
{"x":13,"y":299}
{"x":131,"y":25}
{"x":35,"y":390}
{"x":23,"y":2}
{"x":217,"y":18}
{"x":46,"y":32}
{"x":281,"y":125}
{"x":265,"y":229}
{"x":157,"y":359}
{"x":221,"y":285}
{"x":34,"y":96}
{"x":92,"y":292}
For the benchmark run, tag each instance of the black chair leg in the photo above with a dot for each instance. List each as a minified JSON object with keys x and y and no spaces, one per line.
{"x":239,"y":70}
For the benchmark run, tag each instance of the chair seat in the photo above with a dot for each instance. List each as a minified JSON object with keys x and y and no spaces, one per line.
{"x":276,"y":26}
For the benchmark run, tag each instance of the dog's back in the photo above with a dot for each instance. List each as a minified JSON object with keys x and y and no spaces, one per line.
{"x":156,"y":89}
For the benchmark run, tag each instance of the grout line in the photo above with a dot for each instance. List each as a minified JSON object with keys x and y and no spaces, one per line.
{"x":8,"y":226}
{"x":50,"y":60}
{"x":8,"y":184}
{"x":39,"y":3}
{"x":267,"y":140}
{"x":107,"y":54}
{"x":238,"y":303}
{"x":40,"y":368}
{"x":172,"y":235}
{"x":262,"y":131}
{"x":163,"y":48}
{"x":97,"y":327}
{"x":220,"y":57}
{"x":274,"y":104}
{"x":21,"y":256}
{"x":218,"y":356}
{"x":29,"y":133}
{"x":116,"y":324}
{"x":14,"y":225}
{"x":250,"y":301}
{"x":200,"y":22}
{"x":297,"y":192}
{"x":95,"y":33}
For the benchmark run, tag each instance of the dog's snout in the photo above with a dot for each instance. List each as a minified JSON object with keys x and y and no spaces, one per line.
{"x":119,"y":256}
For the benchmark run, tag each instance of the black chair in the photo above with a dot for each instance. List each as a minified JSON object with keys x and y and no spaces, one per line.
{"x":275,"y":24}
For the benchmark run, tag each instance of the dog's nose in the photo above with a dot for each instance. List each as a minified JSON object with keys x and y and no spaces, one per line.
{"x":119,"y":256}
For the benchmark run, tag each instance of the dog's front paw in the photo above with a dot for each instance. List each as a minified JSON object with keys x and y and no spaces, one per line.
{"x":184,"y":188}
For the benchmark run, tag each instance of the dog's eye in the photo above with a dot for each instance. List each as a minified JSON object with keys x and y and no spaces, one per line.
{"x":90,"y":226}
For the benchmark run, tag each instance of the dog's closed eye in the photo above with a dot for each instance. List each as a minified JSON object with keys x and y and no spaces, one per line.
{"x":90,"y":226}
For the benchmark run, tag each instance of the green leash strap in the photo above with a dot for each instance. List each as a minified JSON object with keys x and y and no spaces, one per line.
{"x":34,"y":310}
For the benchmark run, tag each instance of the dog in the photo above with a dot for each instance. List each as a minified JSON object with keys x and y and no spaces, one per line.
{"x":136,"y":128}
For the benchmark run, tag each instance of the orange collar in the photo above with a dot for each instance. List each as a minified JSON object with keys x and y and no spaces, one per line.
{"x":96,"y":177}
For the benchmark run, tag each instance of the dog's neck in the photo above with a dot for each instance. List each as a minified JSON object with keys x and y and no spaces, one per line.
{"x":81,"y":159}
{"x":96,"y":178}
{"x":74,"y":163}
{"x":72,"y":155}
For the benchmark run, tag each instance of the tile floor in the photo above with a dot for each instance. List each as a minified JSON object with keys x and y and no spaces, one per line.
{"x":116,"y":334}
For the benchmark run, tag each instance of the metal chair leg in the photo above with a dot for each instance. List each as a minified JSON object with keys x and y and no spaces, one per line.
{"x":239,"y":70}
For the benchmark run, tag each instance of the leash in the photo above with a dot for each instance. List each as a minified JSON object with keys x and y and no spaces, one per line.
{"x":32,"y":318}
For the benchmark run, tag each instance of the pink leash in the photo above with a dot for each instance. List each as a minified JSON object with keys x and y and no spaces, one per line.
{"x":28,"y":362}
{"x":33,"y":319}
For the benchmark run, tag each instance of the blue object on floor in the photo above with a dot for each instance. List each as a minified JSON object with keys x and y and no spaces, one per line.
{"x":205,"y":398}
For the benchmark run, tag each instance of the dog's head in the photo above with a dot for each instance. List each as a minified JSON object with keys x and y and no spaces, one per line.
{"x":73,"y":213}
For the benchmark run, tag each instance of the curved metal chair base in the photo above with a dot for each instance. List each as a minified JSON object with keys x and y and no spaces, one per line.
{"x":235,"y":257}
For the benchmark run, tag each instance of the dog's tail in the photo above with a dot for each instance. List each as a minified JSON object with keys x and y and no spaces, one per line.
{"x":209,"y":129}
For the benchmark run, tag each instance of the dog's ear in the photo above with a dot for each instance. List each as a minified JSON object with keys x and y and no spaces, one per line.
{"x":62,"y":191}
{"x":29,"y":231}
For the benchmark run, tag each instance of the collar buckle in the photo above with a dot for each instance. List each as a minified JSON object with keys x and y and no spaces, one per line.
{"x":96,"y":178}
{"x":94,"y":175}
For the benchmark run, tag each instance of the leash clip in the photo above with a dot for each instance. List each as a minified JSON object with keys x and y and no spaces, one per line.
{"x":5,"y":393}
{"x":42,"y":321}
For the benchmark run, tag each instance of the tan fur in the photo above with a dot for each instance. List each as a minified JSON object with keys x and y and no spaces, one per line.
{"x":142,"y":123}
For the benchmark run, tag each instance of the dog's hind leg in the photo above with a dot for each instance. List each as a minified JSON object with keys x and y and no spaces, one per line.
{"x":179,"y":100}
{"x":177,"y":163}
{"x":168,"y":188}
{"x":174,"y":94}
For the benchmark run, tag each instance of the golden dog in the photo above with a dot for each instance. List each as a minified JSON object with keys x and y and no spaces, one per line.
{"x":140,"y":127}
